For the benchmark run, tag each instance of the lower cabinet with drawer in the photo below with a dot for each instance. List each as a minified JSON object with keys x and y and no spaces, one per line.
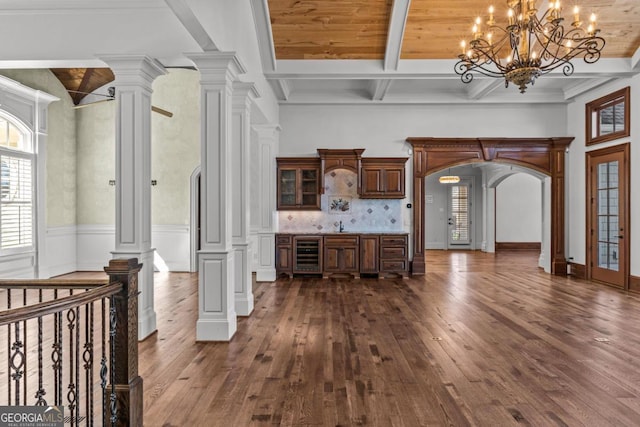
{"x":337,"y":255}
{"x":394,"y":254}
{"x":341,"y":255}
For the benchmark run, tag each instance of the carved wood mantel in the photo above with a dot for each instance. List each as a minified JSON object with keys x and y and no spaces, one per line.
{"x":544,"y":155}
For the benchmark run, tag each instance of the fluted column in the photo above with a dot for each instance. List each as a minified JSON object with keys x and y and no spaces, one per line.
{"x":267,"y":144}
{"x":216,"y":289}
{"x":240,"y":173}
{"x":134,"y":77}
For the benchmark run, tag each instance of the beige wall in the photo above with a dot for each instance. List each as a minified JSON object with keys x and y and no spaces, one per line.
{"x":175,"y":152}
{"x":61,"y":146}
{"x":96,"y":163}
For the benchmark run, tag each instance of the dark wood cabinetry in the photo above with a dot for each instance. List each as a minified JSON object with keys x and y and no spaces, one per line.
{"x":298,"y":183}
{"x":382,"y":178}
{"x":369,"y":253}
{"x":394,"y":256}
{"x":341,"y":255}
{"x":284,"y":254}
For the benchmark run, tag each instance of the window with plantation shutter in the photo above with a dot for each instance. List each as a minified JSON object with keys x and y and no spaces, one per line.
{"x":459,"y":210}
{"x":16,"y":190}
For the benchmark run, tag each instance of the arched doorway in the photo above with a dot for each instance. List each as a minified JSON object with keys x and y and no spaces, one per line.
{"x":545,"y":155}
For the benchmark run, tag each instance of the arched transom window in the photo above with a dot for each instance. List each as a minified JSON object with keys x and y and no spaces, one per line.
{"x":16,"y":187}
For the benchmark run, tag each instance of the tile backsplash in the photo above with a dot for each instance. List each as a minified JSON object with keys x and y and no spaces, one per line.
{"x":340,"y":202}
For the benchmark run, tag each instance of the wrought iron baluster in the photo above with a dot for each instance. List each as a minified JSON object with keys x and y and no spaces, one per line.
{"x":24,"y":351}
{"x":16,"y":362}
{"x":40,"y":401}
{"x":71,"y":394}
{"x":9,"y":349}
{"x":103,"y":361}
{"x":56,"y":354}
{"x":87,"y":356}
{"x":112,"y":335}
{"x":77,"y":366}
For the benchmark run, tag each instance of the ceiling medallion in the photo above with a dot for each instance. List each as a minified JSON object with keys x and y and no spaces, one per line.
{"x":531,"y":44}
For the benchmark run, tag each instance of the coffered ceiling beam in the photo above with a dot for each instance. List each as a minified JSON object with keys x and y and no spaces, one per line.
{"x":192,"y":24}
{"x":584,"y":86}
{"x":282,"y":89}
{"x":635,"y":60}
{"x":481,"y":88}
{"x":424,"y":69}
{"x":379,"y":89}
{"x":262,"y":20}
{"x":397,"y":23}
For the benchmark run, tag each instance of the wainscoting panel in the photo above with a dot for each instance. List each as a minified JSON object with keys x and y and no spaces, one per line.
{"x":19,"y":266}
{"x":61,"y":252}
{"x":95,"y":243}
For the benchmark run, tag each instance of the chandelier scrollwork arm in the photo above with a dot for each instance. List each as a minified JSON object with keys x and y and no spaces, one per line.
{"x":531,"y":45}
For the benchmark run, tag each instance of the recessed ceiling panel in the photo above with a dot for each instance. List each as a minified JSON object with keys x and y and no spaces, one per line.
{"x":330,"y":29}
{"x":435,"y":28}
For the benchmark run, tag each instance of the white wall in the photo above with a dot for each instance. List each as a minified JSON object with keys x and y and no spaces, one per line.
{"x":382,"y":129}
{"x":519,"y":209}
{"x":576,"y":247}
{"x":436,"y":224}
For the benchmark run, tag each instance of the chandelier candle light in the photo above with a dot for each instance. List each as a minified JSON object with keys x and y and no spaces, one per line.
{"x":531,"y":45}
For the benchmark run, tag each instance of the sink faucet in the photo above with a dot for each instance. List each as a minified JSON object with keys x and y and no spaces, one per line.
{"x":341,"y":227}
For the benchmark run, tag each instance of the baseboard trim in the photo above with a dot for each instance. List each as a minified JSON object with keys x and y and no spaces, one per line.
{"x":579,"y":271}
{"x":518,"y":246}
{"x":634,"y":283}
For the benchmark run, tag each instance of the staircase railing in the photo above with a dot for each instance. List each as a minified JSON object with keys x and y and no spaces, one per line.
{"x":73,"y":344}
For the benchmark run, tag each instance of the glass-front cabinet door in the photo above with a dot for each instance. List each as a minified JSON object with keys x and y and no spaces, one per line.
{"x":298,"y":184}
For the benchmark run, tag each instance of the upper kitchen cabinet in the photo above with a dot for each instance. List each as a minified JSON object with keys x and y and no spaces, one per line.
{"x":382,"y":178}
{"x":298,"y":183}
{"x":332,"y":159}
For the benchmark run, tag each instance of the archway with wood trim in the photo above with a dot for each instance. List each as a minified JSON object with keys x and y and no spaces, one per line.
{"x":546,"y":155}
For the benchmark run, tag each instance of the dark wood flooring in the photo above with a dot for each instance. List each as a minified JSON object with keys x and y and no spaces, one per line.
{"x":481,"y":339}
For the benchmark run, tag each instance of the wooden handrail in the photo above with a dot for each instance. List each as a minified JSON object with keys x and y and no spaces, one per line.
{"x":124,"y":394}
{"x":54,"y":306}
{"x":52,"y":284}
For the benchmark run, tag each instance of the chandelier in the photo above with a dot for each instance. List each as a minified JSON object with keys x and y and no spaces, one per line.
{"x":531,"y":44}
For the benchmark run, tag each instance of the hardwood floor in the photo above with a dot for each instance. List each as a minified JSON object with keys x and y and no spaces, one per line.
{"x":481,"y":339}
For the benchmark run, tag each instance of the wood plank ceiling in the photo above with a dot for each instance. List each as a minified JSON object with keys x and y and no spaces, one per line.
{"x":357,"y":29}
{"x":80,"y":81}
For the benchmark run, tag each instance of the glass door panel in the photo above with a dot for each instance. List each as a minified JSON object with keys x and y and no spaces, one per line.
{"x":608,"y":215}
{"x":459,"y":214}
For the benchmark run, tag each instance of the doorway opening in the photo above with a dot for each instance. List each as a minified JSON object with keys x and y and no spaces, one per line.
{"x":544,"y":155}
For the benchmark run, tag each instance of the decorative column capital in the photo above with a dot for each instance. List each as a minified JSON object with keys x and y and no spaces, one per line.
{"x":139,"y":70}
{"x":268,"y":131}
{"x":243,"y":93}
{"x":217,"y":67}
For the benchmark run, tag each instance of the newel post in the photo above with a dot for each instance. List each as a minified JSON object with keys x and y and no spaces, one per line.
{"x":126,"y":381}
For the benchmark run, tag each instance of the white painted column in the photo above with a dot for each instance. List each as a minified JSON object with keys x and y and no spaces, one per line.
{"x":485,"y":219}
{"x":544,"y":261}
{"x":491,"y":220}
{"x":267,"y":145}
{"x":240,"y":136}
{"x":134,"y":77}
{"x":216,"y":306}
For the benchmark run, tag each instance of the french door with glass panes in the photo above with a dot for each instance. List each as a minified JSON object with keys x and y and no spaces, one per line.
{"x":608,"y":215}
{"x":459,"y":220}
